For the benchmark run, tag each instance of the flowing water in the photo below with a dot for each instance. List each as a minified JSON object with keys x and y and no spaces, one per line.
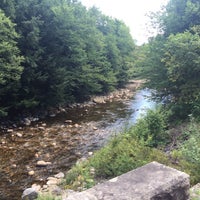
{"x":62,"y":143}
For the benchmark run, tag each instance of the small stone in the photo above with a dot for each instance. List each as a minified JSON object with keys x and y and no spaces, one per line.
{"x":51,"y":178}
{"x":36,"y":187}
{"x":90,"y":153}
{"x":14,"y":166}
{"x":53,"y":182}
{"x":92,"y":170}
{"x":95,"y":128}
{"x":42,"y":163}
{"x":76,"y":125}
{"x":29,"y":194}
{"x":27,"y":122}
{"x":31,"y":173}
{"x":68,"y":121}
{"x":10,"y":130}
{"x":54,"y":143}
{"x":19,"y":135}
{"x":44,"y":186}
{"x":41,"y":128}
{"x":37,"y":155}
{"x":60,"y":175}
{"x":44,"y":124}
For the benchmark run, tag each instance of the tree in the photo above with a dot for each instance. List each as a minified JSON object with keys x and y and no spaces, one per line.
{"x":182,"y":60}
{"x":10,"y":64}
{"x":179,"y":15}
{"x":69,"y":52}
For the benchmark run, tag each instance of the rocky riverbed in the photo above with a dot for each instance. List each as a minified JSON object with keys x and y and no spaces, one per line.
{"x":31,"y":154}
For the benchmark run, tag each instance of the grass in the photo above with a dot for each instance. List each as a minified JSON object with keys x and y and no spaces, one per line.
{"x":135,"y":147}
{"x":48,"y":197}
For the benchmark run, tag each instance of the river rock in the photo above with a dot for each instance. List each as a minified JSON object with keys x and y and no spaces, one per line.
{"x":29,"y":194}
{"x":10,"y":130}
{"x":27,"y":122}
{"x":60,"y":175}
{"x":90,"y":153}
{"x":99,"y":100}
{"x":76,"y":125}
{"x":19,"y":135}
{"x":42,"y":163}
{"x":53,"y":182}
{"x":31,"y":173}
{"x":95,"y":128}
{"x":36,"y":187}
{"x":41,"y":128}
{"x":68,"y":121}
{"x":14,"y":166}
{"x":44,"y":124}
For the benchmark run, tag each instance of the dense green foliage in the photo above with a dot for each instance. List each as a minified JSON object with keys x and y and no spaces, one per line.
{"x":69,"y":53}
{"x":151,"y":129}
{"x":171,"y":63}
{"x":10,"y":64}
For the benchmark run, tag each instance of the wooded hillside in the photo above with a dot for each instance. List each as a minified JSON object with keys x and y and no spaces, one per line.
{"x":55,"y":52}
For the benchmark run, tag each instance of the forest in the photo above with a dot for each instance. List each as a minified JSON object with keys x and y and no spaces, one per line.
{"x":56,"y":52}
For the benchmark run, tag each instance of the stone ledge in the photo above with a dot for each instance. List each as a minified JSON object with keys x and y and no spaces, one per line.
{"x":153,"y":181}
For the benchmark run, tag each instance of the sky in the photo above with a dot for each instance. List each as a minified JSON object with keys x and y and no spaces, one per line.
{"x":132,"y":12}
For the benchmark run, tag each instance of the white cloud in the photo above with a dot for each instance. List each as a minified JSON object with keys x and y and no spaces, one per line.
{"x":132,"y":12}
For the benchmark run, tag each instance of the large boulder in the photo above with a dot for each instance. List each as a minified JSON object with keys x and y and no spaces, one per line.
{"x":153,"y":181}
{"x":29,"y":194}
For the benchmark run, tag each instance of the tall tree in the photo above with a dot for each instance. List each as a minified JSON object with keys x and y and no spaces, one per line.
{"x":10,"y":64}
{"x":179,"y":15}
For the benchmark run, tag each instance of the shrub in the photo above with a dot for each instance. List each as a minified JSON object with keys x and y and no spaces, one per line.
{"x":152,"y":128}
{"x":80,"y":177}
{"x":122,"y":154}
{"x":189,"y":151}
{"x":119,"y":156}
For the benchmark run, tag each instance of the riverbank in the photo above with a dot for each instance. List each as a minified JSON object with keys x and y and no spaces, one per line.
{"x":119,"y":95}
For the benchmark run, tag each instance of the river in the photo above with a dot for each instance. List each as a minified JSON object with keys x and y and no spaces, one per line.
{"x":62,"y":143}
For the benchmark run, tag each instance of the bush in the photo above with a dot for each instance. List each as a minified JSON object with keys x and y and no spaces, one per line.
{"x":122,"y":154}
{"x":119,"y":156}
{"x":152,"y":129}
{"x":189,"y":151}
{"x":80,"y":177}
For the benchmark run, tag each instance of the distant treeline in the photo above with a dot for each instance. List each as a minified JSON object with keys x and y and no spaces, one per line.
{"x":55,"y":52}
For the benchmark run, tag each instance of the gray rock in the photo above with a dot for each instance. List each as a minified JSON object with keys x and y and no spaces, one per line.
{"x":60,"y":175}
{"x":29,"y":194}
{"x":27,"y":122}
{"x":153,"y":181}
